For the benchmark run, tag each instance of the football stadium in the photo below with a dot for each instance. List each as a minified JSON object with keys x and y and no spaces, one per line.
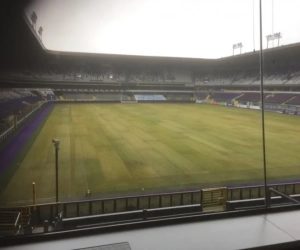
{"x":126,"y":149}
{"x":99,"y":139}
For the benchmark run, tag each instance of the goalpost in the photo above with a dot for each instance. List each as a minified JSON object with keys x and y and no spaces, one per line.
{"x":127,"y":101}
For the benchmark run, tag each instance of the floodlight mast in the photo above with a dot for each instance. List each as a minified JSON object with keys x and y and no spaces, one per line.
{"x":273,"y":37}
{"x":237,"y":46}
{"x":40,"y":31}
{"x":33,"y":18}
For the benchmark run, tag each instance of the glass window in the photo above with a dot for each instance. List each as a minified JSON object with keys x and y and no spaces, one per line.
{"x":128,"y":110}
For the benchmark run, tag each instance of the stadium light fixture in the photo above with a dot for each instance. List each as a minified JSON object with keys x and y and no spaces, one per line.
{"x":33,"y":18}
{"x":275,"y":36}
{"x":56,"y":145}
{"x":237,"y":46}
{"x":40,"y":31}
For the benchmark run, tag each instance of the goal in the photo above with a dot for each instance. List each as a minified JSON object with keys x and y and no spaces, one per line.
{"x":123,"y":101}
{"x":127,"y":101}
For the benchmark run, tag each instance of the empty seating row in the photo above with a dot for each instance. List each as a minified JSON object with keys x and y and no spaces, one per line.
{"x":250,"y":97}
{"x":294,"y":101}
{"x":279,"y":98}
{"x":76,"y":96}
{"x":219,"y":97}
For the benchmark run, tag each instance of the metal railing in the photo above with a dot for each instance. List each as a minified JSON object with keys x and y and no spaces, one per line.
{"x":130,"y":216}
{"x":130,"y":203}
{"x":21,"y":121}
{"x":284,"y":197}
{"x":258,"y":191}
{"x":10,"y":222}
{"x":42,"y":212}
{"x":237,"y":198}
{"x":6,"y":134}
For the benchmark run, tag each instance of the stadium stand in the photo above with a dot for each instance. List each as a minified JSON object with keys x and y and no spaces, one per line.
{"x":61,"y":71}
{"x":184,"y":97}
{"x":279,"y":98}
{"x":271,"y":77}
{"x":201,"y":95}
{"x":294,"y":101}
{"x":149,"y":97}
{"x":77,"y":96}
{"x":226,"y":78}
{"x":15,"y":101}
{"x":144,"y":76}
{"x":178,"y":97}
{"x":250,"y":97}
{"x":47,"y":94}
{"x":89,"y":95}
{"x":178,"y":75}
{"x":219,"y":97}
{"x":111,"y":97}
{"x":9,"y":107}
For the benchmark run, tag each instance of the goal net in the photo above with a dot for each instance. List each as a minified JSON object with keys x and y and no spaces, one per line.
{"x":127,"y":101}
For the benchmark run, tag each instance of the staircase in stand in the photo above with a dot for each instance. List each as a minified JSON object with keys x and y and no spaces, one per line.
{"x":270,"y":95}
{"x":10,"y":223}
{"x":11,"y":215}
{"x":237,"y":97}
{"x":289,"y":99}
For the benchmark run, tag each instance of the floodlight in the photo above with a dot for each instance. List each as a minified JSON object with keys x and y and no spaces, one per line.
{"x":237,"y":46}
{"x":272,"y":37}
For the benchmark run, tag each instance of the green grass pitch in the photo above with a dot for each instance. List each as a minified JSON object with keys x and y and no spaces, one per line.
{"x":122,"y":149}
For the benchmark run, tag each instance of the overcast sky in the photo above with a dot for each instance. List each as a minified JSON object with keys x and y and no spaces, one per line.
{"x":180,"y":28}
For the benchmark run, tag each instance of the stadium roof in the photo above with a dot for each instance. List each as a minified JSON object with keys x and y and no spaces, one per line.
{"x":274,"y":57}
{"x":278,"y":55}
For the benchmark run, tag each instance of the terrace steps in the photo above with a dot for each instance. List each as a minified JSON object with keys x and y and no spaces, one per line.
{"x":270,"y":95}
{"x":7,"y":221}
{"x":237,"y":97}
{"x":289,"y":100}
{"x":24,"y":214}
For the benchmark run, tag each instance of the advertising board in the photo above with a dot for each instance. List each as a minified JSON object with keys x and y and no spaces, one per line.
{"x":254,"y":107}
